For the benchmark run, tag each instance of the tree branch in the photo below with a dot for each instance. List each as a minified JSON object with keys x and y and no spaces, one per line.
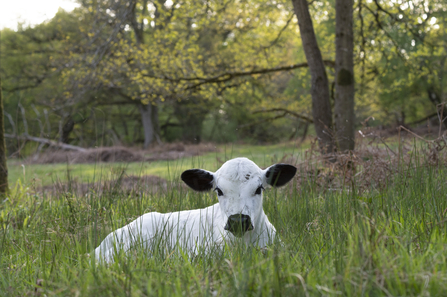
{"x":224,"y":77}
{"x":422,"y":120}
{"x":397,"y":20}
{"x":264,"y":120}
{"x":227,"y":76}
{"x":286,"y":111}
{"x":381,"y":27}
{"x":280,"y":32}
{"x":25,"y":87}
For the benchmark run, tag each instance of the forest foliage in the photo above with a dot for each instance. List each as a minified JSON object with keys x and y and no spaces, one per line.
{"x":223,"y":71}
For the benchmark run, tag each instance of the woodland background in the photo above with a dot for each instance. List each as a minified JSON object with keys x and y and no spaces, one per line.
{"x":145,"y":72}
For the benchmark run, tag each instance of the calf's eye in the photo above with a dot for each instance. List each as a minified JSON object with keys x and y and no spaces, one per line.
{"x":259,"y":190}
{"x":219,"y":192}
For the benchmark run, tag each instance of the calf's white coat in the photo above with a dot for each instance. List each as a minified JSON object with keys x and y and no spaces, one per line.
{"x":239,"y":184}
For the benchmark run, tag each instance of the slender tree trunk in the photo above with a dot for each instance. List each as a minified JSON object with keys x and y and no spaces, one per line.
{"x":191,"y":114}
{"x":155,"y":123}
{"x":67,"y":128}
{"x":3,"y":166}
{"x":436,"y":99}
{"x":148,"y":127}
{"x":149,"y":113}
{"x":344,"y":76}
{"x":321,"y":107}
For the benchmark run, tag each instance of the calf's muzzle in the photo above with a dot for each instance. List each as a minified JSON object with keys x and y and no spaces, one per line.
{"x":238,"y":224}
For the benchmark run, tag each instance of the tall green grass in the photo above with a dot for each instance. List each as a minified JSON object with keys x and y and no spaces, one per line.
{"x":387,"y":242}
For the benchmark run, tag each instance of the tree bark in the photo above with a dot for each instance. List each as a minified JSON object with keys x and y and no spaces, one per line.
{"x":321,"y":107}
{"x":146,"y":120}
{"x":344,"y":76}
{"x":3,"y":166}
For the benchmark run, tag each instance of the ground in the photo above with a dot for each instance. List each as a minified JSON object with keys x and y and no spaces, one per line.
{"x":371,"y":224}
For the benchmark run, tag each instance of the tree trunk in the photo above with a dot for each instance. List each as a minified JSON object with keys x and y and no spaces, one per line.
{"x":67,"y":128}
{"x":3,"y":166}
{"x":321,"y":106}
{"x":146,"y":120}
{"x":435,"y":98}
{"x":191,"y":113}
{"x":344,"y":76}
{"x":155,"y":123}
{"x":149,"y":113}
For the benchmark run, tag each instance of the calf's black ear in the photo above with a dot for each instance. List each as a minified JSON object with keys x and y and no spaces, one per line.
{"x":279,"y":174}
{"x":198,"y":179}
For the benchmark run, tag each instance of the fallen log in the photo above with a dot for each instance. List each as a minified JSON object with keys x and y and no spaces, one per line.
{"x":47,"y":141}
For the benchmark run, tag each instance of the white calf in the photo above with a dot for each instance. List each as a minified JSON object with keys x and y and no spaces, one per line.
{"x":239,"y":185}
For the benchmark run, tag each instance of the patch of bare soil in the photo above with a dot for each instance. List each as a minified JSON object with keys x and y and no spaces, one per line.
{"x":127,"y":184}
{"x":103,"y":154}
{"x":169,"y":151}
{"x":172,"y":151}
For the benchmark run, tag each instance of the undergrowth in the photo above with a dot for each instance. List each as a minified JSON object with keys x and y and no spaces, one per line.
{"x":343,"y":232}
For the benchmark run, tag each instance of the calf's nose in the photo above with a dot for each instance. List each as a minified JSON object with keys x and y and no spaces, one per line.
{"x":238,"y":224}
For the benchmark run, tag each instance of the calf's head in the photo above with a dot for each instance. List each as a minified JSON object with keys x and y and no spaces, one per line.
{"x":239,"y":185}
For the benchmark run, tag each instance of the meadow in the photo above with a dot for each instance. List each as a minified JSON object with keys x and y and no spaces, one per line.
{"x":45,"y":174}
{"x":341,"y":235}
